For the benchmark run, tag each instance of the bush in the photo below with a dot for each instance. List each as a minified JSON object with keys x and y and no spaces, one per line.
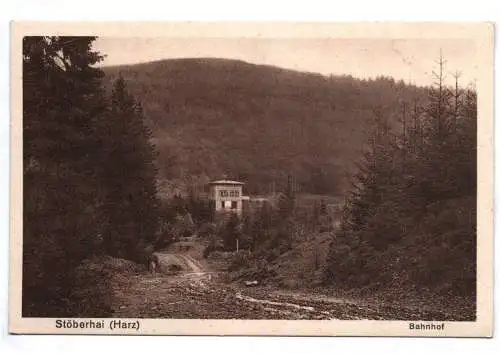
{"x":112,"y":264}
{"x":438,"y":254}
{"x":164,"y":240}
{"x":272,"y":255}
{"x":214,"y":245}
{"x":91,"y":295}
{"x":142,"y":253}
{"x":183,"y":226}
{"x":207,"y":230}
{"x":83,"y":292}
{"x":240,"y":260}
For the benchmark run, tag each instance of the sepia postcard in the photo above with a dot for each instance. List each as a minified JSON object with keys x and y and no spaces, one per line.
{"x":239,"y":178}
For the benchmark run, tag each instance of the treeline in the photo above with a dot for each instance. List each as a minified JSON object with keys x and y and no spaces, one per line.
{"x":410,"y":220}
{"x":265,"y":233}
{"x":183,"y":217}
{"x":89,"y":178}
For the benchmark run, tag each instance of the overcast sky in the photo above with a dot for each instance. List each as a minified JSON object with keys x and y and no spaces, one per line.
{"x":411,"y":59}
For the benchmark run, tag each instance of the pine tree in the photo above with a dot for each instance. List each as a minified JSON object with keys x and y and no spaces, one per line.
{"x":411,"y":212}
{"x":131,"y":201}
{"x":62,"y":101}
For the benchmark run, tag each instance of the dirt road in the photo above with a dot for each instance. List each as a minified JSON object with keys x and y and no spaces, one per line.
{"x":197,"y":292}
{"x":185,"y":261}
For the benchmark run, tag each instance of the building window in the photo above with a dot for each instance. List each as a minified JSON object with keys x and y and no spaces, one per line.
{"x":236,"y":193}
{"x":234,"y":205}
{"x":223,"y":205}
{"x":223,"y":193}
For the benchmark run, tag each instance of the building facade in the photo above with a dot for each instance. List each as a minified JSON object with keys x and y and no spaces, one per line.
{"x":227,"y":196}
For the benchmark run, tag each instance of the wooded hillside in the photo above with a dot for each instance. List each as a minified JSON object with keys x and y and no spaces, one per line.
{"x":258,"y":123}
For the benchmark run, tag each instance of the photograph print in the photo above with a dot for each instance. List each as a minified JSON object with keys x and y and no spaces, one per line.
{"x":251,"y":178}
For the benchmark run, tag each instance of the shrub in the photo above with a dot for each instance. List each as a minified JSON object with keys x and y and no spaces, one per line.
{"x":214,"y":245}
{"x":240,"y":260}
{"x":91,"y":295}
{"x":207,"y":230}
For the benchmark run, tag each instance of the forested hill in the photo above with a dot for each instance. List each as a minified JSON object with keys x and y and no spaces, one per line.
{"x":215,"y":117}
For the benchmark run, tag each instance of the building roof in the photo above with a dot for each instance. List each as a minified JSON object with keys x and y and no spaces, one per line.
{"x":225,"y":181}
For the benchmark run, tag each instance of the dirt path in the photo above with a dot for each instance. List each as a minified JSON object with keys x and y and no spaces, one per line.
{"x":187,"y":263}
{"x":192,"y":263}
{"x":196,"y":292}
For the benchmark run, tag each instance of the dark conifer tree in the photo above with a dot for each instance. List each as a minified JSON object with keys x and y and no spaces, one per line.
{"x":131,"y":198}
{"x":62,"y":101}
{"x":411,"y":213}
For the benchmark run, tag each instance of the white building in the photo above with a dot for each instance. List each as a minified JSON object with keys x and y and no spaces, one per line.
{"x":227,"y":196}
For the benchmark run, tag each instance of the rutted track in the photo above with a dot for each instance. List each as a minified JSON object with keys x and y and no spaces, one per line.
{"x":195,"y":266}
{"x":196,"y":292}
